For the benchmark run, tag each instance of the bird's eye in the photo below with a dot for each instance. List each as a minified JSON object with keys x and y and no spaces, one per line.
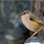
{"x":24,"y":13}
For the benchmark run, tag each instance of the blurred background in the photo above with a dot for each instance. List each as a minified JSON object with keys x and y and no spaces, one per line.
{"x":12,"y":30}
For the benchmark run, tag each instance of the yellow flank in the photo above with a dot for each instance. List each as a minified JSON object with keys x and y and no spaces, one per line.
{"x":36,"y":24}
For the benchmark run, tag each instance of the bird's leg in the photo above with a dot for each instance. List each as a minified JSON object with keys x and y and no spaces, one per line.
{"x":36,"y":32}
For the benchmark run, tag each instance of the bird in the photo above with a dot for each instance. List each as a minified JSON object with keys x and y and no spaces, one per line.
{"x":31,"y":21}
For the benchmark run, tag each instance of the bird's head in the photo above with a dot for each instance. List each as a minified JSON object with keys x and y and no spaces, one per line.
{"x":26,"y":14}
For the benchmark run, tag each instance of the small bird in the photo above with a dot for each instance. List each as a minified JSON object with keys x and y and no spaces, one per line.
{"x":31,"y":21}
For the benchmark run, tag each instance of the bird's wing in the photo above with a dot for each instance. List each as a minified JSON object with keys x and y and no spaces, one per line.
{"x":36,"y":19}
